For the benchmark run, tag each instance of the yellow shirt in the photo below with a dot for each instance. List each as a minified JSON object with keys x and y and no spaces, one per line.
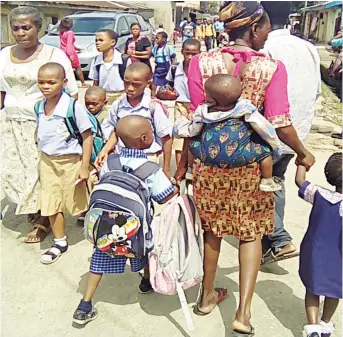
{"x":199,"y":32}
{"x":209,"y":30}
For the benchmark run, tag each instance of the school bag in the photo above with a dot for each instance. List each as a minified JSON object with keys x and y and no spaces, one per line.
{"x":70,"y":121}
{"x":118,"y":222}
{"x":121,"y":67}
{"x":176,"y":261}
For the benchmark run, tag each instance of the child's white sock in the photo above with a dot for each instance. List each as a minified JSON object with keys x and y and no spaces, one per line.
{"x":61,"y":241}
{"x":311,"y":329}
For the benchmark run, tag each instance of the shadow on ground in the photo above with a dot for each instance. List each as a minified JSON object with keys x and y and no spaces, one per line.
{"x":160,"y":305}
{"x":285,"y":306}
{"x":19,"y":223}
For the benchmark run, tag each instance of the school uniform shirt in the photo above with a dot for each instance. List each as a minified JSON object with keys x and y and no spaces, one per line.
{"x":160,"y":123}
{"x":158,"y":184}
{"x":107,"y":73}
{"x":180,"y":83}
{"x":163,"y":54}
{"x":159,"y":187}
{"x":52,"y":133}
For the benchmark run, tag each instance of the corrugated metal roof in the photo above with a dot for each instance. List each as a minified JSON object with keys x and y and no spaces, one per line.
{"x":116,"y":5}
{"x":323,"y":5}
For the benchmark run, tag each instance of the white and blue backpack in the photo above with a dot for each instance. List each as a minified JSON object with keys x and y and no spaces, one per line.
{"x":70,"y":121}
{"x":120,"y":214}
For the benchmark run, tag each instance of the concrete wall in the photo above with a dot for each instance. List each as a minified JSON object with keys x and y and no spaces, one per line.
{"x":163,"y":13}
{"x":46,"y":13}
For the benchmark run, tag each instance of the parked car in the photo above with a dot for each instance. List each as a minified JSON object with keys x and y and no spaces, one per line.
{"x":86,"y":25}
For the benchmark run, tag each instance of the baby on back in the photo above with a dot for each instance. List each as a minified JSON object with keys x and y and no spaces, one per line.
{"x":231,"y":132}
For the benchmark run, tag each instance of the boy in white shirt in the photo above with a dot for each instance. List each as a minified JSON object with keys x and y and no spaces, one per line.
{"x":64,"y":162}
{"x":107,"y":69}
{"x":137,"y":102}
{"x":136,"y":134}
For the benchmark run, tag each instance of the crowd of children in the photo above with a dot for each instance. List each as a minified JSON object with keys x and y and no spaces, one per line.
{"x":135,"y":126}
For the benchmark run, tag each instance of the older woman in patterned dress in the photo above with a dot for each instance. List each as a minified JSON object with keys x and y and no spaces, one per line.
{"x":19,"y":66}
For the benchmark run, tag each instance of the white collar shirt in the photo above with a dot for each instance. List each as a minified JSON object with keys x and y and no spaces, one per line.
{"x":160,"y":122}
{"x":302,"y":63}
{"x":52,"y":133}
{"x":107,"y":74}
{"x":180,"y":83}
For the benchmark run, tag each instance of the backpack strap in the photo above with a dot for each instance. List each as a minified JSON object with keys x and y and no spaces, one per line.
{"x":123,"y":66}
{"x":152,"y":108}
{"x":146,"y":170}
{"x":37,"y":107}
{"x":113,"y":162}
{"x":70,"y":121}
{"x":173,"y":71}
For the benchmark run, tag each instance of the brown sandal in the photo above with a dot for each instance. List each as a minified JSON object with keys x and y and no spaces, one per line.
{"x":46,"y":231}
{"x":222,"y":295}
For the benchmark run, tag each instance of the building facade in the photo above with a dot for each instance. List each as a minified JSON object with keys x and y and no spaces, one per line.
{"x":322,"y":21}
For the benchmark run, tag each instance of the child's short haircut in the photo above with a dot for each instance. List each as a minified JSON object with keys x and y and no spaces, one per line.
{"x":191,"y":42}
{"x":95,"y":90}
{"x":111,"y":33}
{"x":164,"y":35}
{"x":333,"y":170}
{"x":224,"y":89}
{"x":140,"y":68}
{"x":53,"y":66}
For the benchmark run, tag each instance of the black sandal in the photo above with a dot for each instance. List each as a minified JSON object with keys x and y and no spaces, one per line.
{"x":54,"y":257}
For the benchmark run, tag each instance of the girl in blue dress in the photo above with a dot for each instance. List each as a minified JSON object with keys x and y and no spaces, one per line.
{"x":321,"y":249}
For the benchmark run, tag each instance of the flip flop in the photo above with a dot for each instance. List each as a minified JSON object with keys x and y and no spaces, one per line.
{"x":238,"y":333}
{"x":222,"y":295}
{"x":46,"y":230}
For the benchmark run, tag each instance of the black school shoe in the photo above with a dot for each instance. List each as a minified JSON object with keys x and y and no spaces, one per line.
{"x":145,"y":286}
{"x":81,"y":317}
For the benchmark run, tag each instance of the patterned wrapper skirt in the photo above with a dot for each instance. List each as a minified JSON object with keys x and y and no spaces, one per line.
{"x":230,"y":203}
{"x":19,"y":165}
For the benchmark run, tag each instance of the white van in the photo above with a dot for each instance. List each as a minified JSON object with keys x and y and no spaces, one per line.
{"x":86,"y":25}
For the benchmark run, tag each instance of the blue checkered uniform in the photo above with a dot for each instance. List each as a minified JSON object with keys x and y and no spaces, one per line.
{"x":159,"y":188}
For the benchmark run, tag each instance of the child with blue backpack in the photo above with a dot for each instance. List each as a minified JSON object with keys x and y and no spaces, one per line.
{"x":107,"y":69}
{"x":164,"y":56}
{"x":64,"y":163}
{"x":118,"y":235}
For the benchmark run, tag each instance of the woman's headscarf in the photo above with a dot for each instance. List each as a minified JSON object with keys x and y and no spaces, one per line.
{"x":240,"y":14}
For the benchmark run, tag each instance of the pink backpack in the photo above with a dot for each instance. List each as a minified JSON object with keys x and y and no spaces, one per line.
{"x":176,"y":262}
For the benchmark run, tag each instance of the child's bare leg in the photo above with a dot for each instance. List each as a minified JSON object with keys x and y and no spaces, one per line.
{"x":80,"y":76}
{"x":85,"y":311}
{"x":146,"y":274}
{"x":178,"y":155}
{"x":268,"y":183}
{"x":266,"y":167}
{"x":312,"y":307}
{"x":57,"y":225}
{"x":183,"y":164}
{"x":330,"y":306}
{"x":60,"y":240}
{"x":92,"y":285}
